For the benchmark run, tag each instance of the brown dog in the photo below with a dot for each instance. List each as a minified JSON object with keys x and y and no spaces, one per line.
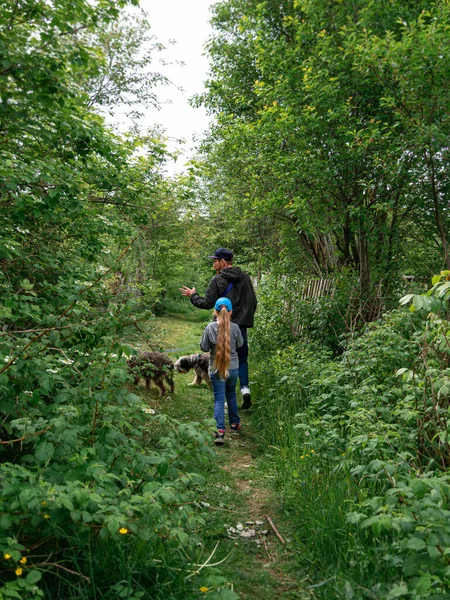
{"x":152,"y":366}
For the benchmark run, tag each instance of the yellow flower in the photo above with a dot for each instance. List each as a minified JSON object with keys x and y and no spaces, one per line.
{"x":23,"y":560}
{"x":19,"y":571}
{"x":44,"y":502}
{"x":302,"y":456}
{"x":204,"y":589}
{"x":312,"y":451}
{"x":46,"y":516}
{"x":7,"y":556}
{"x":123,"y":530}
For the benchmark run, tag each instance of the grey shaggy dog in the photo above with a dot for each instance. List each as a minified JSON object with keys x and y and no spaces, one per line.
{"x":198,"y":362}
{"x":152,"y":366}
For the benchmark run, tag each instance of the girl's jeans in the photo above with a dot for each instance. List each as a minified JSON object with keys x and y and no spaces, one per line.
{"x":225,"y":390}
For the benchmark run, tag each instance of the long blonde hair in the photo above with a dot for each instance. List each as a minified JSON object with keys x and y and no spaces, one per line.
{"x":223,"y":351}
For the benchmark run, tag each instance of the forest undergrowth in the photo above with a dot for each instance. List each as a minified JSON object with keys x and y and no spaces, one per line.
{"x":361,"y":442}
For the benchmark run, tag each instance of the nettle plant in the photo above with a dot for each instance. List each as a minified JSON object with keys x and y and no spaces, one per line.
{"x":432,"y":377}
{"x":83,"y":462}
{"x":406,"y":510}
{"x":86,"y":465}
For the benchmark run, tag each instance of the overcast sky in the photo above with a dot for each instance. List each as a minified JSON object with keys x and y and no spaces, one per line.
{"x":185,"y":22}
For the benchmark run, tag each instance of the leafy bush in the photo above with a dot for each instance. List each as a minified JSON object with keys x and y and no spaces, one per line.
{"x":86,"y":463}
{"x":289,"y":310}
{"x":368,"y":435}
{"x":274,"y":322}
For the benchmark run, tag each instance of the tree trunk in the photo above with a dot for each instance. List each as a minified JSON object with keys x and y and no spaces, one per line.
{"x":364,"y":272}
{"x":437,"y":215}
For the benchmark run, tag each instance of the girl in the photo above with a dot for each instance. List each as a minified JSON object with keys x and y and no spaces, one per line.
{"x":222,"y":338}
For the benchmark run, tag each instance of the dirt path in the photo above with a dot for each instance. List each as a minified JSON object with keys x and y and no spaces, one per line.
{"x":244,"y":519}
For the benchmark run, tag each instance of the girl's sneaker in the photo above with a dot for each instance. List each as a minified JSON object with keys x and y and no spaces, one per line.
{"x":236,"y":427}
{"x":220,"y":434}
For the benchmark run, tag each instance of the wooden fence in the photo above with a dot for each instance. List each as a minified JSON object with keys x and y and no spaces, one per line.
{"x":309,"y":290}
{"x":313,"y":289}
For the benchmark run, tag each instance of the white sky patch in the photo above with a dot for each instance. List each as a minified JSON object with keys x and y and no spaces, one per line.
{"x":187,"y":23}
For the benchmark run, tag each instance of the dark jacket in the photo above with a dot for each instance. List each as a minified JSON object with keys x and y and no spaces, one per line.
{"x":242,"y":295}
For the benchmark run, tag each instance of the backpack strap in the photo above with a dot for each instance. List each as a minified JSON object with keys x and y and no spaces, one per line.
{"x":230,"y":285}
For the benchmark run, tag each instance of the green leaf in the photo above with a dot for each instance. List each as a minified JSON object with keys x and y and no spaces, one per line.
{"x":67,"y":502}
{"x":163,"y":468}
{"x":183,"y":537}
{"x":418,"y":302}
{"x":9,"y":593}
{"x":27,"y":285}
{"x":398,"y":591}
{"x":401,"y":371}
{"x":15,"y":554}
{"x":416,"y":543}
{"x":424,"y":584}
{"x":406,"y":299}
{"x":419,"y":487}
{"x":33,"y":576}
{"x":5,"y":521}
{"x":44,"y":451}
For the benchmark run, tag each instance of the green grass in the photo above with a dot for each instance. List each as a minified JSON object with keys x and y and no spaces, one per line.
{"x":171,"y":333}
{"x":239,"y":484}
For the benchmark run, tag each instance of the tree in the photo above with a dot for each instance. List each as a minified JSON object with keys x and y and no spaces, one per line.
{"x":122,"y":74}
{"x":411,"y":69}
{"x":310,"y":138}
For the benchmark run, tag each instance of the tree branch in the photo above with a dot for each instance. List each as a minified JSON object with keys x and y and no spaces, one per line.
{"x":25,"y":437}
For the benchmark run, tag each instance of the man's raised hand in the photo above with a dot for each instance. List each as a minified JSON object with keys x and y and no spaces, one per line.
{"x":185,"y":291}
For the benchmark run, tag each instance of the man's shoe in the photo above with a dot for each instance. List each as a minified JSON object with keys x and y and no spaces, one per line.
{"x":220,"y":434}
{"x":247,"y":400}
{"x":235,"y":427}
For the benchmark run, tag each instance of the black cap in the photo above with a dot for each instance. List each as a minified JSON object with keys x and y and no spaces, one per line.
{"x":223,"y":253}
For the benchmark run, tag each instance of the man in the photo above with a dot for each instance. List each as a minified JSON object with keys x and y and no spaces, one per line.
{"x":236,"y":285}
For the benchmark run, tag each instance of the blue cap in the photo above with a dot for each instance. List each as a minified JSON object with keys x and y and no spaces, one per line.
{"x":223,"y":302}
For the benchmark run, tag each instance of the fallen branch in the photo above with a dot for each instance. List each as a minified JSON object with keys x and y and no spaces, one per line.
{"x":267,"y":550}
{"x":277,"y":533}
{"x":219,"y":508}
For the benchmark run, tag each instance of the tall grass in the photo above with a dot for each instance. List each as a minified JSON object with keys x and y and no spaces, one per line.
{"x":133,"y":570}
{"x":314,"y":478}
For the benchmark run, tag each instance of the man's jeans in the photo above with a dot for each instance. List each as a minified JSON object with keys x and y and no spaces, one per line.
{"x":243,"y":359}
{"x":225,"y":390}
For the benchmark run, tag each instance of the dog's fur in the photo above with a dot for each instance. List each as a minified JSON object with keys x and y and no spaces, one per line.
{"x":198,"y":362}
{"x":152,"y":366}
